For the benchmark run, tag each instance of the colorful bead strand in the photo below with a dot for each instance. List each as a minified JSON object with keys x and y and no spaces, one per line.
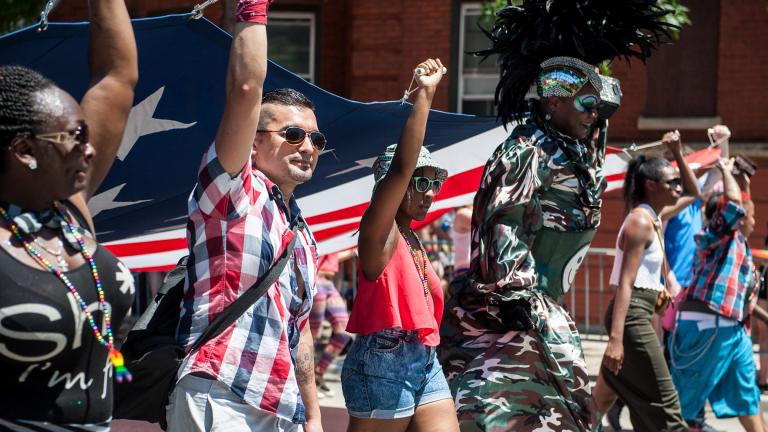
{"x":422,"y":271}
{"x":115,"y":356}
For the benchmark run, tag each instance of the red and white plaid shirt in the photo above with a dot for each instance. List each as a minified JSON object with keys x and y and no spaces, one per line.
{"x":237,"y":228}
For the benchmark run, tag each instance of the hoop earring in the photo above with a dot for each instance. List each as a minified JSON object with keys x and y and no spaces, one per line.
{"x":32,"y":164}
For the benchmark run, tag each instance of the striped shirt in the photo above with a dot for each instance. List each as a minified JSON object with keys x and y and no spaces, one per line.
{"x":723,"y":269}
{"x":237,"y":228}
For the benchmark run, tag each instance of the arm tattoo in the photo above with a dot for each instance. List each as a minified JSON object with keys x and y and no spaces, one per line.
{"x":305,"y":364}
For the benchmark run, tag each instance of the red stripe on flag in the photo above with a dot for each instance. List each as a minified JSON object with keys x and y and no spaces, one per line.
{"x":159,"y":268}
{"x":334,"y":231}
{"x":345,"y":213}
{"x":456,"y":185}
{"x":147,"y":247}
{"x":461,"y":183}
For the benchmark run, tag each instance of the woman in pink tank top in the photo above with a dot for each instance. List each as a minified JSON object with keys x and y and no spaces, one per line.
{"x":391,"y":378}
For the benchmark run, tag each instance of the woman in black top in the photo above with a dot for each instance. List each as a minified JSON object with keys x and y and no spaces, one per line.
{"x":61,"y":294}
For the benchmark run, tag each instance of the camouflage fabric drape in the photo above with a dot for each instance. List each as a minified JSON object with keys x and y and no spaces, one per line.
{"x":535,"y":214}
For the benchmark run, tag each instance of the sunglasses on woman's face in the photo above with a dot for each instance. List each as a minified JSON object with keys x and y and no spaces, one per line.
{"x":423,"y":184}
{"x":68,"y":140}
{"x":296,"y":135}
{"x":586,"y":103}
{"x":673,"y":183}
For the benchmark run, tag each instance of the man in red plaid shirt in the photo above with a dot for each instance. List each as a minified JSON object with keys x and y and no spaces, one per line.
{"x":710,"y":349}
{"x":259,"y":373}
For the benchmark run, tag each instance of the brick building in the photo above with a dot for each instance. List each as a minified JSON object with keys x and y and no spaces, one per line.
{"x":365,"y":50}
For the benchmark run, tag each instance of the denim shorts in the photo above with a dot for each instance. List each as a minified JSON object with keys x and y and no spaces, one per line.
{"x":389,"y":373}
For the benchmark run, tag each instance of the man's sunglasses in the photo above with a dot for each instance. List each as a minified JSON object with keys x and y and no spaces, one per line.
{"x":296,"y":135}
{"x":423,"y":184}
{"x":587,"y":103}
{"x":65,"y":141}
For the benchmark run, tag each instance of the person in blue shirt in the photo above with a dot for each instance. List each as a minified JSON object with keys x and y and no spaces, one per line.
{"x":679,"y":242}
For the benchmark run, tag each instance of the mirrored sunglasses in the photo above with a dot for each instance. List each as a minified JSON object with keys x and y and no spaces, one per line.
{"x":423,"y":184}
{"x":587,"y":103}
{"x":296,"y":135}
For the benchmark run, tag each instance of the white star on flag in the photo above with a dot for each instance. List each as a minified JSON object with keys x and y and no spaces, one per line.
{"x":106,"y":201}
{"x":141,"y":122}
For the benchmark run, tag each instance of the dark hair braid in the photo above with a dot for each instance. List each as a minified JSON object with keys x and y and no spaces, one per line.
{"x":641,"y":168}
{"x":19,"y":111}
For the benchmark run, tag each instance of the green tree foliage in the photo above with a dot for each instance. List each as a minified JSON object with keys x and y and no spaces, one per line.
{"x":15,"y":14}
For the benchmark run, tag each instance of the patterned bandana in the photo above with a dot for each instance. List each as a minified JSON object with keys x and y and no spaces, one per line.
{"x":31,"y":222}
{"x":382,"y":163}
{"x":575,"y":156}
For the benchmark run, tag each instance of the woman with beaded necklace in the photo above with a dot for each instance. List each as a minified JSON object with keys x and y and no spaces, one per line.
{"x":61,"y":295}
{"x":391,"y":378}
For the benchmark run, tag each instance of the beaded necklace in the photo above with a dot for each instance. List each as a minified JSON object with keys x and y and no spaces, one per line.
{"x":114,"y":355}
{"x":422,"y":271}
{"x":59,"y":254}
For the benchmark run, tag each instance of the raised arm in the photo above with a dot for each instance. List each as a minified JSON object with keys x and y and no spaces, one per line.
{"x":114,"y":71}
{"x":378,"y":233}
{"x":636,"y":234}
{"x":691,"y":190}
{"x":245,"y":81}
{"x":731,"y":188}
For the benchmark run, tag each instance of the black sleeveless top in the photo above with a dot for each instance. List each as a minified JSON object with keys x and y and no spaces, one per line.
{"x":51,"y":366}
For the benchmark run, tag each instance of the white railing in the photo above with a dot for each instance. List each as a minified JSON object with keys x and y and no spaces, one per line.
{"x":590,"y":289}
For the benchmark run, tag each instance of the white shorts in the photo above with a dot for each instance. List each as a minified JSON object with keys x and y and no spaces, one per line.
{"x":200,"y":404}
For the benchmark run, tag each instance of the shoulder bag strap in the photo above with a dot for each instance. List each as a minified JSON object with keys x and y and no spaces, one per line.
{"x":664,"y":265}
{"x":232,"y":312}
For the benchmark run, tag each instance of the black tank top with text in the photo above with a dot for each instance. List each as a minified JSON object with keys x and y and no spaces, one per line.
{"x":51,"y":366}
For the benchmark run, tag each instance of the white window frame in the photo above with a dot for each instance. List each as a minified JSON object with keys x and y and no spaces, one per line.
{"x":466,"y":9}
{"x":311,"y":17}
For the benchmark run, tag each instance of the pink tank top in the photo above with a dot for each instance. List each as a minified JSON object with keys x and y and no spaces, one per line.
{"x":396,"y":299}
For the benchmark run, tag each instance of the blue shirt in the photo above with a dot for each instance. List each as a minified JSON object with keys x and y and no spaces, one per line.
{"x":680,"y":243}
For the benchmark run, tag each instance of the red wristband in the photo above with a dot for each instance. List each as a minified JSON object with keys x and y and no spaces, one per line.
{"x":744,"y":196}
{"x":253,"y":11}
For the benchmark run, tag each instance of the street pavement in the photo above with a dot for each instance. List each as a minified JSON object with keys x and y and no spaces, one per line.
{"x":335,"y":417}
{"x":594,"y":346}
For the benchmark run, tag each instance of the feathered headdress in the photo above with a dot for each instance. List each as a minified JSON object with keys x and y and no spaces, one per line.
{"x":566,"y":39}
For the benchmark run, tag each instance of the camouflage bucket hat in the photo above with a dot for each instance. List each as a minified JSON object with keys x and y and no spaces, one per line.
{"x":382,"y":163}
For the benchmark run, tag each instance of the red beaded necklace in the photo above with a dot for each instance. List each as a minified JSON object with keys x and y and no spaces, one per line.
{"x":415,"y":254}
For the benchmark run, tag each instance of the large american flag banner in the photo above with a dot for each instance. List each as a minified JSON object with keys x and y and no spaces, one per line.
{"x":140,"y":210}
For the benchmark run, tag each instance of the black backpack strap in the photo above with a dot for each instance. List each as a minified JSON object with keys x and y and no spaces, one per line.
{"x":232,"y":312}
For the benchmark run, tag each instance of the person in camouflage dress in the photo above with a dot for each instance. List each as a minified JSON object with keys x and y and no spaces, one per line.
{"x":535,"y":215}
{"x":510,"y":351}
